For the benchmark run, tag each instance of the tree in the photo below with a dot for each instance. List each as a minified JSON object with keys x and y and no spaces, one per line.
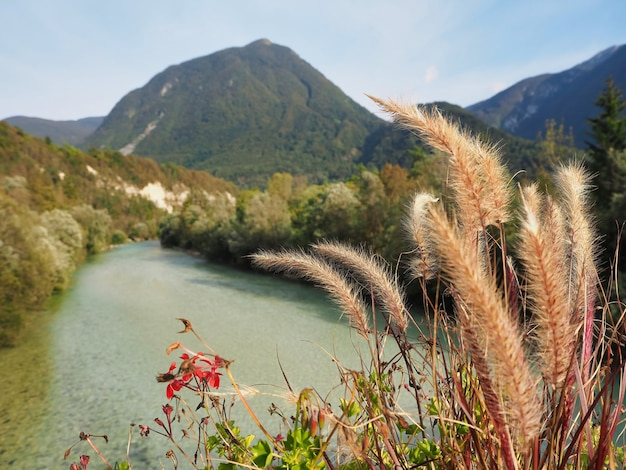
{"x":281,"y":185}
{"x":608,"y":136}
{"x":607,"y":162}
{"x":556,"y":144}
{"x":96,"y":225}
{"x":264,"y":222}
{"x":65,"y":241}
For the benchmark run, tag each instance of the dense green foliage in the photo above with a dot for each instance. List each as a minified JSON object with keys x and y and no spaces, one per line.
{"x":289,"y":213}
{"x":608,"y":135}
{"x":59,"y":204}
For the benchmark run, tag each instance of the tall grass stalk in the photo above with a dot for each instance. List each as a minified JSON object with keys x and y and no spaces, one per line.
{"x":521,"y":378}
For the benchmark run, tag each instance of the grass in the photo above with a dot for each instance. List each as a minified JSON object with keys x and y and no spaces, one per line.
{"x":519,"y":366}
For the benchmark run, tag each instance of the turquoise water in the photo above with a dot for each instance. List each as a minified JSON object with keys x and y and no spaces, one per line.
{"x":90,"y":364}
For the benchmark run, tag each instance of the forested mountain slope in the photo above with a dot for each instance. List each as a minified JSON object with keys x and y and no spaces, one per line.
{"x":242,"y":113}
{"x":567,"y":97}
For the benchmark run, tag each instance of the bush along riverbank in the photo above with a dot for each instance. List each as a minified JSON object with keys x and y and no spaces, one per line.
{"x":521,"y":377}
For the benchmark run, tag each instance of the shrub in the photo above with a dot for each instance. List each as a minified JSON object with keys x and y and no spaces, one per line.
{"x":66,"y":243}
{"x":96,"y":224}
{"x":140,"y":231}
{"x":118,"y":237}
{"x":28,"y":266}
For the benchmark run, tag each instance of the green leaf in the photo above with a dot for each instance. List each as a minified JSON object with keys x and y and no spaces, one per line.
{"x":227,"y":466}
{"x":350,"y":408}
{"x":262,"y":454}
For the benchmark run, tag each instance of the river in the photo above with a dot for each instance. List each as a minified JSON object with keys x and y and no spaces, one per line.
{"x":90,"y":363}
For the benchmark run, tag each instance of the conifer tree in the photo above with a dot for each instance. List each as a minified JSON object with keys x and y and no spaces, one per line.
{"x":608,"y":138}
{"x":607,"y":161}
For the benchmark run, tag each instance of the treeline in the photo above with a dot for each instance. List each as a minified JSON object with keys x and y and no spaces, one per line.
{"x":368,"y":209}
{"x":59,"y":205}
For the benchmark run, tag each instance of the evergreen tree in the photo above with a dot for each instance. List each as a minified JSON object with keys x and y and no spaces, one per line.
{"x":607,"y":161}
{"x":608,"y":136}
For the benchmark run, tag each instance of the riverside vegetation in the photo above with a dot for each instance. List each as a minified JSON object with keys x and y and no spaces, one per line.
{"x":44,"y":189}
{"x":519,"y":367}
{"x":59,"y":205}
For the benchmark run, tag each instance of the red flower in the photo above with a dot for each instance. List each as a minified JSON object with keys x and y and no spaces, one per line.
{"x":198,"y":366}
{"x":173,"y":387}
{"x":213,"y":378}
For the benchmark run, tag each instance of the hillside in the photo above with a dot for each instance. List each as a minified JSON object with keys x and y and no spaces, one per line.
{"x":243,"y":114}
{"x":567,"y":97}
{"x":60,"y":132}
{"x":60,"y":177}
{"x":246,"y":113}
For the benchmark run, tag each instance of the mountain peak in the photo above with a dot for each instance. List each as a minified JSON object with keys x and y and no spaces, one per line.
{"x":243,"y":113}
{"x":598,"y":58}
{"x":260,"y":42}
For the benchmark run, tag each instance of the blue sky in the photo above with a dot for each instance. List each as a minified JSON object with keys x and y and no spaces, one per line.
{"x":67,"y":59}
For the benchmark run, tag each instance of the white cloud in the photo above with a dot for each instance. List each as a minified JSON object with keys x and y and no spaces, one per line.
{"x":431,"y":74}
{"x":497,"y":87}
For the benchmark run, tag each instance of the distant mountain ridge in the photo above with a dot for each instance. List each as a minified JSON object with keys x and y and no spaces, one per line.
{"x":567,"y":97}
{"x":60,"y":132}
{"x":244,"y":113}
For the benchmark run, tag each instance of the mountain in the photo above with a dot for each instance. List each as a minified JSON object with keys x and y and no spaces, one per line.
{"x":567,"y":97}
{"x":243,"y":114}
{"x":60,"y":132}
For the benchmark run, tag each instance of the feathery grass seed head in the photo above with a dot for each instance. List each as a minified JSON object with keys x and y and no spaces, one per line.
{"x":306,"y":266}
{"x":423,"y":264}
{"x":542,"y":251}
{"x":495,"y":327}
{"x":477,"y":175}
{"x":371,"y":270}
